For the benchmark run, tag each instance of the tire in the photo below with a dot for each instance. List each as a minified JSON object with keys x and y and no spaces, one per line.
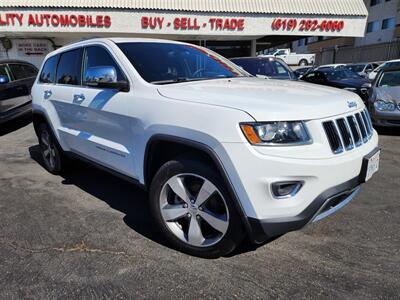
{"x":175,"y":216}
{"x":303,"y":62}
{"x":52,"y":154}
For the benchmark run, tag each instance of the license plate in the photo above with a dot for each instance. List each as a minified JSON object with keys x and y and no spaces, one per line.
{"x":372,"y":166}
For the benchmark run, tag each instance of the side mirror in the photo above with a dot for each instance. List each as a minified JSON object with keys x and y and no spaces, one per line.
{"x":4,"y":79}
{"x":105,"y":77}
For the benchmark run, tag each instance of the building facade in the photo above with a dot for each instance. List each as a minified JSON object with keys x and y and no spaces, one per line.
{"x":381,"y":40}
{"x":30,"y":29}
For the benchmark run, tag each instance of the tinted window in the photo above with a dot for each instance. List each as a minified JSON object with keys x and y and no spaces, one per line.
{"x":49,"y":70}
{"x":22,"y":71}
{"x":163,"y":63}
{"x":392,"y":64}
{"x":355,"y":68}
{"x":341,"y":74}
{"x":315,"y":77}
{"x":390,"y":79}
{"x":99,"y":57}
{"x":280,"y":69}
{"x":69,"y":67}
{"x":264,"y":66}
{"x":4,"y":72}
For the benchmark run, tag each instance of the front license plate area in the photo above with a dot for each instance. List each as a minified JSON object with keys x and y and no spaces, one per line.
{"x":370,"y":165}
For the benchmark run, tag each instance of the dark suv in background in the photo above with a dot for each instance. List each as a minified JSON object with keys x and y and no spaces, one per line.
{"x":265,"y":67}
{"x":16,"y":80}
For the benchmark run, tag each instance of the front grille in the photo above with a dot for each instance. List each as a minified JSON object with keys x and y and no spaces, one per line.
{"x":344,"y":134}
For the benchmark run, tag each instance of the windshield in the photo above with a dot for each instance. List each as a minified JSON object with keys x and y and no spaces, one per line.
{"x":164,"y":63}
{"x":341,"y":74}
{"x":391,"y":78}
{"x":264,"y":66}
{"x":355,"y":68}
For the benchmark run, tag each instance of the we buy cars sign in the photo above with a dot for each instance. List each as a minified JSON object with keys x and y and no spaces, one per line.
{"x":32,"y":48}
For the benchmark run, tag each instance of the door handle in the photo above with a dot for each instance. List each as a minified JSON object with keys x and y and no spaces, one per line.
{"x":47,"y":94}
{"x":79,"y":98}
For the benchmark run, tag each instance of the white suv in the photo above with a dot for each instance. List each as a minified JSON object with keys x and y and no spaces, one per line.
{"x":223,"y":154}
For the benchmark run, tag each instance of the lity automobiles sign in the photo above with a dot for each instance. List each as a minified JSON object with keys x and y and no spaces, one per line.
{"x":54,"y":20}
{"x":163,"y":23}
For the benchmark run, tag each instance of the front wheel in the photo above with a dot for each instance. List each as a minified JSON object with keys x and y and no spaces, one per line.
{"x":193,"y":210}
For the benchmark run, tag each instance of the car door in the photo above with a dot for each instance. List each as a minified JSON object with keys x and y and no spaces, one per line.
{"x":98,"y":129}
{"x":8,"y":94}
{"x":24,"y":72}
{"x":15,"y":92}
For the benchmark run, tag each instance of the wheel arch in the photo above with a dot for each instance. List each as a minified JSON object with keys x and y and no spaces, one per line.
{"x":193,"y":149}
{"x":39,"y":117}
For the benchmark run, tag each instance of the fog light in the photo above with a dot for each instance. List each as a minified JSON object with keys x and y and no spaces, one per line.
{"x":286,"y":189}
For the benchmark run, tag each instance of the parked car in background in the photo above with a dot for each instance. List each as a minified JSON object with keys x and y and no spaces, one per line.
{"x":292,"y":58}
{"x":340,"y":78}
{"x":265,"y":67}
{"x":329,"y":66}
{"x":363,"y":69}
{"x":388,"y":64}
{"x":16,"y":80}
{"x":384,"y":100}
{"x":302,"y":71}
{"x":223,"y":154}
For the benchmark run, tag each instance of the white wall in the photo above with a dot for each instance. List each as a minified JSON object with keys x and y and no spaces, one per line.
{"x":17,"y":52}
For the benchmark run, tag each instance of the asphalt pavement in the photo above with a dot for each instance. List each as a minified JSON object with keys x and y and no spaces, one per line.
{"x":88,"y":234}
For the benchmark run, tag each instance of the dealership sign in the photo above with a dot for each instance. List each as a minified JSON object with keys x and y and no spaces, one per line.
{"x":161,"y":23}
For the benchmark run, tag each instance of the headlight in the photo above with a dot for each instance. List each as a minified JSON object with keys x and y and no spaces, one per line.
{"x":384,"y":105}
{"x":276,"y":133}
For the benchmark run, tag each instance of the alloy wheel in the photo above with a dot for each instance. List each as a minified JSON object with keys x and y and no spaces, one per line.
{"x":48,"y":149}
{"x":194,"y":210}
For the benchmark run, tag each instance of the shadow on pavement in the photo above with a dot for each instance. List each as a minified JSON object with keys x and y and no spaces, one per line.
{"x":117,"y":193}
{"x":393,"y":131}
{"x":121,"y":195}
{"x":15,"y":124}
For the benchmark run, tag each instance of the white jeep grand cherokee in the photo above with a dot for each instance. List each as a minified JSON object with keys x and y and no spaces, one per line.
{"x":223,"y":154}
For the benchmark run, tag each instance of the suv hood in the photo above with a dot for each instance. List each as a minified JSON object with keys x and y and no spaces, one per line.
{"x":266,"y":100}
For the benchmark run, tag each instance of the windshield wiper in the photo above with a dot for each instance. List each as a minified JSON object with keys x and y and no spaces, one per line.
{"x":186,"y":79}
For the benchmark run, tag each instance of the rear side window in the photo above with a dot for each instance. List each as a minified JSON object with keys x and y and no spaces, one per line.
{"x":48,"y":73}
{"x":69,"y":67}
{"x":97,"y":56}
{"x":4,"y":72}
{"x":22,"y":71}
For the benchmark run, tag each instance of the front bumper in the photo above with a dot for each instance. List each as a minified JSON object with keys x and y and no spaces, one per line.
{"x":324,"y":205}
{"x":386,"y":118}
{"x":252,"y":171}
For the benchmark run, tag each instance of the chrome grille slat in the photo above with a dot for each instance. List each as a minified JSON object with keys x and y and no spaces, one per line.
{"x":346,"y":133}
{"x":369,"y":121}
{"x":355,"y":130}
{"x":364,"y":118}
{"x":333,"y":137}
{"x":362,"y":127}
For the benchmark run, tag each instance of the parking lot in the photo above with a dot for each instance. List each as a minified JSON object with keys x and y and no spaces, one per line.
{"x":88,"y":234}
